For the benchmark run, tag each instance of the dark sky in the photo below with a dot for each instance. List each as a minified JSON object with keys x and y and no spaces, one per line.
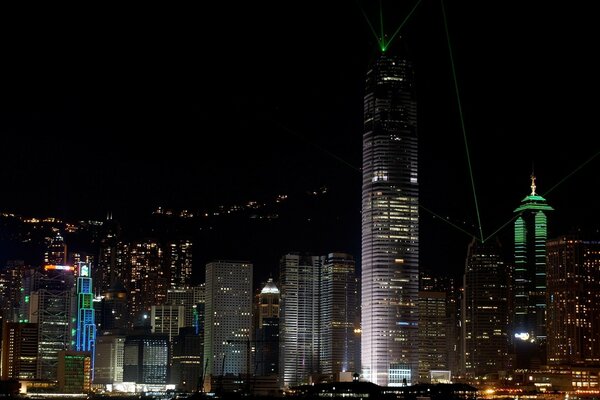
{"x":124,"y":109}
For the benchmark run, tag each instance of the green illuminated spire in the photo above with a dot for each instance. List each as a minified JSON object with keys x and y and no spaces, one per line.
{"x":533,"y":201}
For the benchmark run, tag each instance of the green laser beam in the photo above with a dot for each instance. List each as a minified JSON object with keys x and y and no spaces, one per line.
{"x":382,"y":41}
{"x":548,"y":191}
{"x":571,"y":173}
{"x":369,"y":23}
{"x":448,"y":221}
{"x":324,"y":150}
{"x":401,"y":25}
{"x":502,"y":227}
{"x":462,"y":119}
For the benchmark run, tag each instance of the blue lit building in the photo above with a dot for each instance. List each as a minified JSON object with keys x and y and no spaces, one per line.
{"x":86,"y":327}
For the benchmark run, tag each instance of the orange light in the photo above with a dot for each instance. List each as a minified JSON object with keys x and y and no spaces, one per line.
{"x":59,"y":267}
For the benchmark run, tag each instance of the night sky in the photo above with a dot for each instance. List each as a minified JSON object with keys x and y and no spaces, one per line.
{"x":131,"y":108}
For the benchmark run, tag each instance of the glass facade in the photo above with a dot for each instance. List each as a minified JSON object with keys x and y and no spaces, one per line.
{"x":390,"y":223}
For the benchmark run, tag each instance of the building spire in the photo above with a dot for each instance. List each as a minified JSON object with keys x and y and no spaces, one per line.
{"x":533,"y":185}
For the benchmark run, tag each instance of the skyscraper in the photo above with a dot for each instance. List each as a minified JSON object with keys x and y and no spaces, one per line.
{"x":573,"y":301}
{"x":342,"y":299}
{"x":56,"y":252}
{"x":390,"y":224}
{"x":267,"y":330}
{"x":485,"y":311}
{"x":302,"y":324}
{"x":19,"y":350}
{"x":529,"y":324}
{"x":228,"y":317}
{"x":86,"y":326}
{"x":52,"y":306}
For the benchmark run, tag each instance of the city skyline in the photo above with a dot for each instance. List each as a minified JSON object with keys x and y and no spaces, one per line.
{"x":293,"y":96}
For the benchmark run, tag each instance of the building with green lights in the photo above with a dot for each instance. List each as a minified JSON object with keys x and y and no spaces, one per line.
{"x":390,"y":224}
{"x":86,"y":326}
{"x":529,"y":281}
{"x":74,"y":371}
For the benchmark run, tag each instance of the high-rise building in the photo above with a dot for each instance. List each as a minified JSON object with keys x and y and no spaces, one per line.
{"x":56,"y":251}
{"x":11,"y":282}
{"x":192,"y":299}
{"x":390,"y":224}
{"x":529,"y":281}
{"x":267,"y":330}
{"x":52,"y":306}
{"x":340,"y":296}
{"x":86,"y":325}
{"x":301,"y":322}
{"x":146,"y":359}
{"x":167,"y":319}
{"x":147,"y":282}
{"x":186,"y":371}
{"x":114,"y":308}
{"x":573,"y":301}
{"x":485,"y":311}
{"x":108,"y":367}
{"x":228,"y":317}
{"x":179,"y":262}
{"x":433,"y":340}
{"x":19,"y":350}
{"x":108,"y":271}
{"x":74,"y":371}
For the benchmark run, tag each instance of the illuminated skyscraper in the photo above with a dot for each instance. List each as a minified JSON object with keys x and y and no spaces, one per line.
{"x":573,"y":301}
{"x":147,"y":282}
{"x":52,"y":307}
{"x":340,"y":298}
{"x":179,"y":263}
{"x":267,"y":330}
{"x":86,"y":326}
{"x":228,"y":317}
{"x":19,"y":350}
{"x":529,"y":286}
{"x":56,"y":252}
{"x":390,"y":224}
{"x":302,"y":324}
{"x":485,"y":311}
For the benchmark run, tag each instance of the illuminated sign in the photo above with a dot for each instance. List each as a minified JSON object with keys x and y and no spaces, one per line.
{"x":59,"y":268}
{"x":522,"y":335}
{"x":84,"y":270}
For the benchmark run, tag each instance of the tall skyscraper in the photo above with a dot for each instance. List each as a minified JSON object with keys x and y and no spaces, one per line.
{"x":56,"y":251}
{"x":390,"y":224}
{"x":302,"y":341}
{"x":529,"y":286}
{"x":52,"y":307}
{"x":343,"y":302}
{"x":436,"y":325}
{"x":485,"y":311}
{"x":86,"y":325}
{"x":147,"y":282}
{"x":573,"y":301}
{"x":228,"y":317}
{"x":179,"y":262}
{"x":267,"y":330}
{"x":19,"y":350}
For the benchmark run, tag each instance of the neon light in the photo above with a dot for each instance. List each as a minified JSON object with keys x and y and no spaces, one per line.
{"x":59,"y":268}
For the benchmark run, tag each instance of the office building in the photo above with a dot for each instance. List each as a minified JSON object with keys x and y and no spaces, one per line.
{"x":529,"y":281}
{"x":390,"y":224}
{"x":19,"y":350}
{"x":573,"y":301}
{"x":485,"y":311}
{"x":228,"y":317}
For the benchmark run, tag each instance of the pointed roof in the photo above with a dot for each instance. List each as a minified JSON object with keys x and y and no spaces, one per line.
{"x":270,"y":288}
{"x":533,"y":201}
